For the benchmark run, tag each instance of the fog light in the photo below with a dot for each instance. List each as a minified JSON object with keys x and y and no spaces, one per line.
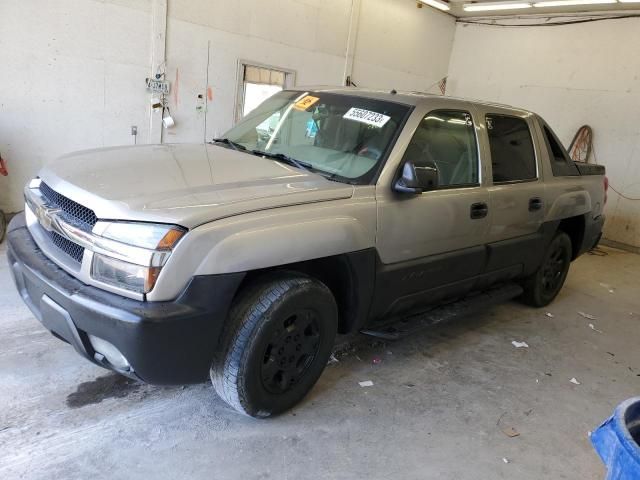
{"x":110,"y":352}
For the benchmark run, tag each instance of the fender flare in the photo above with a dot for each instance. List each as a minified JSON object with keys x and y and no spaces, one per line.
{"x":569,"y":204}
{"x":262,"y":247}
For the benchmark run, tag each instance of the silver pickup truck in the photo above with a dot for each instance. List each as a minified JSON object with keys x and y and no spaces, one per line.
{"x":323,"y":211}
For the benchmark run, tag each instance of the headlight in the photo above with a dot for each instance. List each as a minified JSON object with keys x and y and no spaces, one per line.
{"x":123,"y":274}
{"x":150,"y":240}
{"x":146,"y":235}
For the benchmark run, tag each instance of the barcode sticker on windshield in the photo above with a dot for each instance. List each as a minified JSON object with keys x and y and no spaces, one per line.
{"x":366,"y":116}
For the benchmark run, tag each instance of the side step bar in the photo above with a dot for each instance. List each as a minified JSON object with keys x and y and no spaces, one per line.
{"x":461,"y":308}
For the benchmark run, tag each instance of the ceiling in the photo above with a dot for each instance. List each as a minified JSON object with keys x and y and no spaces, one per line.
{"x":614,"y":8}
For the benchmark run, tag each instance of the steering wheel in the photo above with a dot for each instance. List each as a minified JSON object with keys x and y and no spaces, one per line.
{"x":370,"y":152}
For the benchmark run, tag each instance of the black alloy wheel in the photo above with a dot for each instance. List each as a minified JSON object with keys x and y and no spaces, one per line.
{"x":290,"y":351}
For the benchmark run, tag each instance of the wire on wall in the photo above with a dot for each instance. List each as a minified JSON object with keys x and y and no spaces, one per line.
{"x":626,"y":197}
{"x":547,"y":23}
{"x":206,"y":107}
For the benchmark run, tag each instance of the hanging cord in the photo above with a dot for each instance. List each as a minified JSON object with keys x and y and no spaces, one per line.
{"x":580,"y":148}
{"x":3,"y":167}
{"x":595,"y":159}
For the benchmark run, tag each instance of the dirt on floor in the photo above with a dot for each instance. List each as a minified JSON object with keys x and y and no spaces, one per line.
{"x":459,"y":401}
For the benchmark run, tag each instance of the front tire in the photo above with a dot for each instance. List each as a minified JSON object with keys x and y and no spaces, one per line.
{"x":276,"y":343}
{"x":541,"y":288}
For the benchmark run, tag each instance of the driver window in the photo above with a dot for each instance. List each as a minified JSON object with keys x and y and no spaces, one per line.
{"x":447,"y":140}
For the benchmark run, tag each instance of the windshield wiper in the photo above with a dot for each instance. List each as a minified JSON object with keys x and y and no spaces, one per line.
{"x":335,"y":177}
{"x":281,"y":157}
{"x":231,"y":143}
{"x":276,"y":156}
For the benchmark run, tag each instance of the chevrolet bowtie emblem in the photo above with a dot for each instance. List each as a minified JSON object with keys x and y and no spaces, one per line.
{"x":46,"y":216}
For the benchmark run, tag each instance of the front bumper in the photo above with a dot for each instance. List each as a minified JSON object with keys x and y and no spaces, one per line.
{"x":163,"y":342}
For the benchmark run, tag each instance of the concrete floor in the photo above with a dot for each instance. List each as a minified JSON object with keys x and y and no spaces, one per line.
{"x":437,"y":410}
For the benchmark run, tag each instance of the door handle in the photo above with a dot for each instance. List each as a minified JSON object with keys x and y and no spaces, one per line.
{"x":479,"y":210}
{"x":535,"y":204}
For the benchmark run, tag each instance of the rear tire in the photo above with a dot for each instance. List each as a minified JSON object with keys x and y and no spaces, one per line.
{"x":276,"y":343}
{"x":543,"y":286}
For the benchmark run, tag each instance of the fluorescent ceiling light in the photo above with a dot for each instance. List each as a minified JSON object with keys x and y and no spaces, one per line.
{"x":486,"y":6}
{"x":568,"y":3}
{"x":440,"y":5}
{"x":629,"y":1}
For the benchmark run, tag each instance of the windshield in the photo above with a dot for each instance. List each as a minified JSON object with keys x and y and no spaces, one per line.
{"x":342,"y":137}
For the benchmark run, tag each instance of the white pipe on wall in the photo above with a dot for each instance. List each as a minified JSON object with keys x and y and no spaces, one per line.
{"x":158,"y":58}
{"x":354,"y":20}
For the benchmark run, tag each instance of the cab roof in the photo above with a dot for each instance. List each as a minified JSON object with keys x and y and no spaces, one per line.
{"x":405,"y":97}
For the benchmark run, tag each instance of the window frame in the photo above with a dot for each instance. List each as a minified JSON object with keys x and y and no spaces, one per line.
{"x":568,"y":168}
{"x":238,"y":107}
{"x":533,"y":145}
{"x":478,"y":150}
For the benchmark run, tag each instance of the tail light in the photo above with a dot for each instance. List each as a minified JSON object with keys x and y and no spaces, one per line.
{"x":606,"y":189}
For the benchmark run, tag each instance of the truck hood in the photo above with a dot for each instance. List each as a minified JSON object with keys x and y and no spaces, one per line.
{"x":187,"y":185}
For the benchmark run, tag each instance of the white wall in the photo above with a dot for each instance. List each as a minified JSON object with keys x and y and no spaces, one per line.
{"x":400,"y":46}
{"x":70,"y":74}
{"x":72,"y":71}
{"x":309,"y":37}
{"x":571,"y":75}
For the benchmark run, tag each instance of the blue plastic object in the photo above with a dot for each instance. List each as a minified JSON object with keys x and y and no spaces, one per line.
{"x":617,"y":441}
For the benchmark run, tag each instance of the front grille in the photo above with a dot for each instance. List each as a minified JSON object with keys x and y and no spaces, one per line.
{"x":72,"y":211}
{"x":74,"y":250}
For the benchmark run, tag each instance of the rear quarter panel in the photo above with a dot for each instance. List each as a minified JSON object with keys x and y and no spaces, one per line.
{"x":568,"y":196}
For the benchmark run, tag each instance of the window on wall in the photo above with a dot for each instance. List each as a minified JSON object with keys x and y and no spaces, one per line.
{"x":258,"y":83}
{"x":447,"y":140}
{"x":512,"y":155}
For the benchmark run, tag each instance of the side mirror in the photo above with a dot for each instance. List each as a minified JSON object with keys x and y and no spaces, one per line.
{"x":417,"y":178}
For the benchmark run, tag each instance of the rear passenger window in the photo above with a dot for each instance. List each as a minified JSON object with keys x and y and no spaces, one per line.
{"x":512,"y":155}
{"x":561,"y":164}
{"x":447,"y":139}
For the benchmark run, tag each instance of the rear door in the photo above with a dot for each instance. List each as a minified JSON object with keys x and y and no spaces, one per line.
{"x":515,"y":239}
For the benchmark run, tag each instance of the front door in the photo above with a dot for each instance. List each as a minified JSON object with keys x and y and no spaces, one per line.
{"x":431,"y":246}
